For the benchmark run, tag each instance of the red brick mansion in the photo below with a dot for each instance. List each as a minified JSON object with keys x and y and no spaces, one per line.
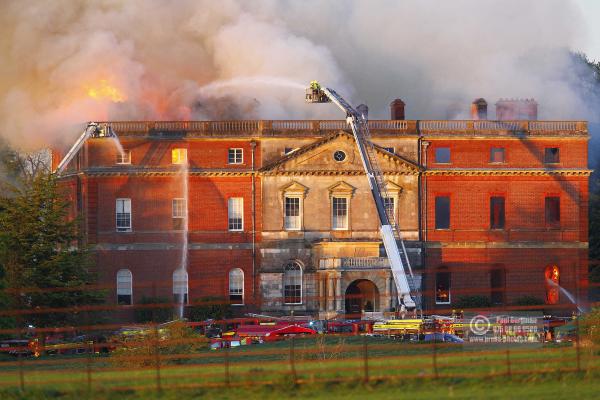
{"x":276,"y":216}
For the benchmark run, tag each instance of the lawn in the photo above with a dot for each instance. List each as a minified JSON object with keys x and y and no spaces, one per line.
{"x":323,"y":366}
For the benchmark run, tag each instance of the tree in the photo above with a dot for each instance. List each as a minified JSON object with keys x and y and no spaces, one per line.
{"x":590,"y":88}
{"x":42,"y":264}
{"x":209,"y":308}
{"x":155,"y":313}
{"x":466,"y":302}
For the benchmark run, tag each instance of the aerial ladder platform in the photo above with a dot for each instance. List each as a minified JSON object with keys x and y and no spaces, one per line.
{"x":407,"y":284}
{"x":92,"y":130}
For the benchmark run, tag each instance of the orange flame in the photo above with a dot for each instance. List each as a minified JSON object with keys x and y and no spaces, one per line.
{"x":103,"y":90}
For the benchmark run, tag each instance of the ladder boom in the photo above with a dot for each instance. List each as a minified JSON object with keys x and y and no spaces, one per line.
{"x":389,"y":230}
{"x":92,"y":129}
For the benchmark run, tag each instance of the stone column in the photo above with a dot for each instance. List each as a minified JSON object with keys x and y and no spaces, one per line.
{"x":338,"y":293}
{"x":330,"y":293}
{"x":322,"y":289}
{"x":393,"y":294}
{"x":388,"y":294}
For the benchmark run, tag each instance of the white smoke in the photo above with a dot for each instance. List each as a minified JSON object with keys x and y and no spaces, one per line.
{"x":249,"y":59}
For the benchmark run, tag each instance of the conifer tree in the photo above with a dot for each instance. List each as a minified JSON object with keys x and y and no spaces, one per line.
{"x":43,"y":267}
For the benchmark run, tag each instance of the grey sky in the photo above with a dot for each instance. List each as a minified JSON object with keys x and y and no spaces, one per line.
{"x":591,"y":43}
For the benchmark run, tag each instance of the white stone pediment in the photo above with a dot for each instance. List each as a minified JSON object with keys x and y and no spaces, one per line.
{"x":341,"y":188}
{"x":294,"y":188}
{"x":393,"y":188}
{"x":336,"y":154}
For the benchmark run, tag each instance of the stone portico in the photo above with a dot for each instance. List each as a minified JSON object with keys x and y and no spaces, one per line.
{"x":339,"y":252}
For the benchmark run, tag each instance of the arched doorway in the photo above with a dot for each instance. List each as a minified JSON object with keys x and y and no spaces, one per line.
{"x":362,"y":295}
{"x":552,"y":275}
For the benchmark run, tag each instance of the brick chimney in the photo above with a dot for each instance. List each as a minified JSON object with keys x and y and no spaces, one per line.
{"x":397,"y":109}
{"x":479,"y":109}
{"x":516,"y":109}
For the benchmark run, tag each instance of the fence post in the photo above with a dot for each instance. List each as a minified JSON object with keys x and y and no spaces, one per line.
{"x":227,"y":366}
{"x":292,"y":362}
{"x":90,"y":352}
{"x":157,"y":358}
{"x":19,"y":350}
{"x":508,"y":368}
{"x":366,"y":359}
{"x":434,"y":355}
{"x":577,"y":345}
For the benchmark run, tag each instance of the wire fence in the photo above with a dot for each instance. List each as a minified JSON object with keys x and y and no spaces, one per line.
{"x":106,"y":349}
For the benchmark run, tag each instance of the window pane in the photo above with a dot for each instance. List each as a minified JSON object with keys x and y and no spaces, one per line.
{"x":498,"y":285}
{"x":123,"y":214}
{"x":340,"y":212}
{"x":552,"y":279}
{"x":180,"y":286}
{"x":442,"y":287}
{"x":124,"y":158}
{"x":497,"y":212}
{"x":124,"y":287}
{"x":497,"y":155}
{"x":178,"y":156}
{"x":292,"y":213}
{"x":552,"y":210}
{"x":551,"y":155}
{"x":442,"y":155}
{"x":388,"y":203}
{"x":124,"y":299}
{"x":442,"y":212}
{"x":179,"y":208}
{"x":236,"y":214}
{"x":236,"y":286}
{"x":292,"y":283}
{"x":235,"y":156}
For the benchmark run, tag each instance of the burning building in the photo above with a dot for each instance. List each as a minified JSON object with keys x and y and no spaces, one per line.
{"x":276,"y":216}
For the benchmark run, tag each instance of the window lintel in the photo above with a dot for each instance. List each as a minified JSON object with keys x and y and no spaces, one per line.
{"x":294,"y":189}
{"x":393,"y":188}
{"x":341,"y":189}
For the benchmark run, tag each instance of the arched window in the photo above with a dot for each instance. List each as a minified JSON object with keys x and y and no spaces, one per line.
{"x":180,"y":286}
{"x":442,"y":286}
{"x":292,"y":283}
{"x":236,"y":286}
{"x":498,"y":285}
{"x":552,"y":275}
{"x":124,"y":287}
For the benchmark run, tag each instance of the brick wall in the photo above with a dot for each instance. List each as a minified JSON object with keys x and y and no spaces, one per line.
{"x":156,"y":152}
{"x":471,"y":267}
{"x":524,"y":207}
{"x":526,"y":153}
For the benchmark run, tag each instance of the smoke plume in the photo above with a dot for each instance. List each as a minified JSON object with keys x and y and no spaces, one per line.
{"x":70,"y":61}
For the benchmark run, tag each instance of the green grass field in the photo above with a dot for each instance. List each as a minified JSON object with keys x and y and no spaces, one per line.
{"x":322,"y":366}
